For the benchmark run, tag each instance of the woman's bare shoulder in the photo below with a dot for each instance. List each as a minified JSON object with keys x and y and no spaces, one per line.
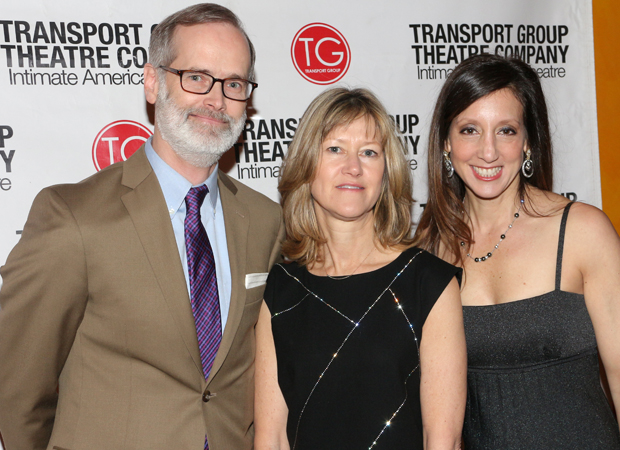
{"x":591,"y":224}
{"x":585,"y":220}
{"x":544,"y":203}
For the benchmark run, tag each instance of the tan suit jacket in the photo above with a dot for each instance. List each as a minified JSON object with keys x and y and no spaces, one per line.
{"x":98,"y":346}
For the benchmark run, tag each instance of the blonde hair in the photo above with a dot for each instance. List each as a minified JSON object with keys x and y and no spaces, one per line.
{"x":334,"y":108}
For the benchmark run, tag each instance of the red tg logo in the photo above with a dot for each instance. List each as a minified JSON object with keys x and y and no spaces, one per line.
{"x":320,"y":53}
{"x":117,"y":141}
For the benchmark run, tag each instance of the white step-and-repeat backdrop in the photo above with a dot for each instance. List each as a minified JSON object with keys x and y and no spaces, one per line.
{"x":72,"y":95}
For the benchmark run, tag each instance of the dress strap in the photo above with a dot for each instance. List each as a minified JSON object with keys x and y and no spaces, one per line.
{"x":558,"y":266}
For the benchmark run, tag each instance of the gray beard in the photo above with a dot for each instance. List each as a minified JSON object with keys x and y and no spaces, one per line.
{"x":199,"y":144}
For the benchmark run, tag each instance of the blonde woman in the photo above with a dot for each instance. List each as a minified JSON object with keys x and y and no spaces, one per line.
{"x":360,"y":341}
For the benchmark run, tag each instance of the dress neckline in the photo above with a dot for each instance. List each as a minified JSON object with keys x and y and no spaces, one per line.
{"x":396,"y":260}
{"x":558,"y":269}
{"x":528,"y":299}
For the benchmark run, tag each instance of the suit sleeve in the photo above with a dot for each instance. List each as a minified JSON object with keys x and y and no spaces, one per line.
{"x":42,"y":302}
{"x":276,"y":254}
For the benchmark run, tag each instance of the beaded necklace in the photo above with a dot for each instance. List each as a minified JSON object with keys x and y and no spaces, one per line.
{"x":501,"y":238}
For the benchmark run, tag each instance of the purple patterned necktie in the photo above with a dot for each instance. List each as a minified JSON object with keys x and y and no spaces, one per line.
{"x":202,"y":282}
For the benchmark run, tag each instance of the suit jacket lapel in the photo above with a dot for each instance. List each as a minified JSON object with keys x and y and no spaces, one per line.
{"x":147,"y":208}
{"x":237,"y":223}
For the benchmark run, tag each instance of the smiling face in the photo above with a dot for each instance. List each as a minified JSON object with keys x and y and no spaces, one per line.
{"x":486,"y":144}
{"x":199,"y":128}
{"x":350,"y":171}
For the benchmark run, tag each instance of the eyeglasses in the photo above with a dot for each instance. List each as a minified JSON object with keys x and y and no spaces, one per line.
{"x":197,"y":82}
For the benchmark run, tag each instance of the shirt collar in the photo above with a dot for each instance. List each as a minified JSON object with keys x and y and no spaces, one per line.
{"x":175,"y":186}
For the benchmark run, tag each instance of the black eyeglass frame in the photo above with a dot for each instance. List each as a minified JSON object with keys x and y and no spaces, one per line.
{"x":215,"y":80}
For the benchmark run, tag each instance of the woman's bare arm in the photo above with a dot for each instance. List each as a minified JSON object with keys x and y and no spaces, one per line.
{"x":443,"y":362}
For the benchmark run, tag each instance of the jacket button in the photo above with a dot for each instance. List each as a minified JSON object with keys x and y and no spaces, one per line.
{"x":206,"y":396}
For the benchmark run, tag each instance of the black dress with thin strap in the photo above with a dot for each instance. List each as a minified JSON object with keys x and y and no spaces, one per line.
{"x":533,"y":375}
{"x":347,"y":351}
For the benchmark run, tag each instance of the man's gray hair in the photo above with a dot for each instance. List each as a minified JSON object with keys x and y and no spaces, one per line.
{"x":161,"y":48}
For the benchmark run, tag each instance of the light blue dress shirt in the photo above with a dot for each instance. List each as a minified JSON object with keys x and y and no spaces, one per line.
{"x":175,"y":187}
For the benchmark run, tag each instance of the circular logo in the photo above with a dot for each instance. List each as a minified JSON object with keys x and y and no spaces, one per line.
{"x":117,"y":141}
{"x":320,"y":53}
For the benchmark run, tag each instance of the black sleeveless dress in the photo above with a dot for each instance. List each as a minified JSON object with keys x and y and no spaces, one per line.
{"x":533,"y":375}
{"x":347,"y":351}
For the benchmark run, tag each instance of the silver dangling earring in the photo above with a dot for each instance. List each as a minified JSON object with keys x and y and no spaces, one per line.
{"x":447,"y":162}
{"x":527,"y":168}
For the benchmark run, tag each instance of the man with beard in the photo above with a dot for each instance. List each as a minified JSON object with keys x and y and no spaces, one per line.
{"x":129,"y":304}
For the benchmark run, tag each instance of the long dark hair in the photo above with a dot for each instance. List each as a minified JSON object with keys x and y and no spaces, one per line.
{"x":442,"y":220}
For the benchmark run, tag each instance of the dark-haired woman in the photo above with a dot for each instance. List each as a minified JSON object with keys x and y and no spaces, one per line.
{"x":541,"y":290}
{"x":360,"y":342}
